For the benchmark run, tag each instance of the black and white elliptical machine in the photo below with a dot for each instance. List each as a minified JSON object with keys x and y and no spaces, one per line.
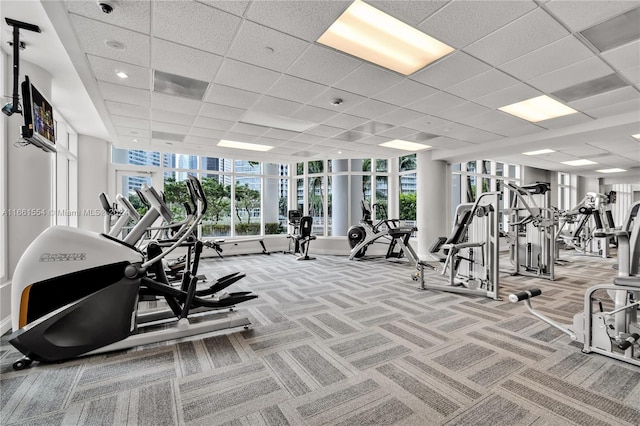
{"x":76,"y":292}
{"x":388,"y":231}
{"x":116,"y":218}
{"x":615,"y":332}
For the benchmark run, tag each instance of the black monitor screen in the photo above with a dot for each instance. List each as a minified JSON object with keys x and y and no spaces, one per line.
{"x":42,"y":116}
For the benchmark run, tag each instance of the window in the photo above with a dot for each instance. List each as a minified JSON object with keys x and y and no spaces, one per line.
{"x":217,"y":219}
{"x":135,"y":157}
{"x":564,"y":191}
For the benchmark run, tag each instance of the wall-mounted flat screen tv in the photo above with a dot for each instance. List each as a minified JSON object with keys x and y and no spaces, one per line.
{"x":39,"y":125}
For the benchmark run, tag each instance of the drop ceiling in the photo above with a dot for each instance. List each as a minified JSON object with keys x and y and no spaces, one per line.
{"x":261,"y":59}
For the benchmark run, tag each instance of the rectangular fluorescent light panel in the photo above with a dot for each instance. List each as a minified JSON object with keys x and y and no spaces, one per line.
{"x":244,"y":145}
{"x":539,"y":152}
{"x":404,"y":145}
{"x":614,"y":32}
{"x":579,"y":162}
{"x":276,"y":121}
{"x":616,"y":170}
{"x":538,"y":109}
{"x":370,"y":34}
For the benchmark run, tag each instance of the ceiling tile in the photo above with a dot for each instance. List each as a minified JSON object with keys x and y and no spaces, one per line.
{"x":304,"y":19}
{"x":248,"y":129}
{"x":128,"y":110}
{"x":265,"y":47}
{"x":284,"y":135}
{"x":604,"y":99}
{"x":493,"y":121}
{"x":313,"y":114}
{"x":105,"y":70}
{"x":325,"y":131}
{"x":528,"y":33}
{"x":296,"y":89}
{"x":92,"y":36}
{"x":448,"y":143}
{"x":373,"y":140}
{"x":632,"y":74}
{"x":323,"y":65}
{"x":426,"y":123}
{"x":169,"y":128}
{"x":174,"y":103}
{"x":564,"y":121}
{"x":483,"y":84}
{"x":236,"y":7}
{"x":551,"y":57}
{"x":221,"y":112}
{"x":307,"y":138}
{"x":346,"y":121}
{"x":245,"y":76}
{"x":132,"y":15}
{"x":213,"y":124}
{"x":195,"y":25}
{"x":240,"y":137}
{"x":368,"y":80}
{"x":171,"y":117}
{"x":371,"y":108}
{"x":436,"y":103}
{"x":130,"y":133}
{"x":398,"y":133}
{"x":135,"y":123}
{"x":400,"y":116}
{"x":462,"y":22}
{"x":405,"y":92}
{"x":583,"y":150}
{"x":615,"y":109}
{"x":465,"y":110}
{"x":579,"y":15}
{"x":119,"y":93}
{"x":185,"y":61}
{"x":204,"y":140}
{"x":521,"y":130}
{"x":410,"y":12}
{"x":573,"y":74}
{"x":276,"y":106}
{"x":508,"y":96}
{"x":450,"y":70}
{"x":231,"y":96}
{"x":624,"y":57}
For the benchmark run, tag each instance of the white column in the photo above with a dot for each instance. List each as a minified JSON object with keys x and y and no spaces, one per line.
{"x":356,"y":192}
{"x":340,"y":198}
{"x":433,"y":192}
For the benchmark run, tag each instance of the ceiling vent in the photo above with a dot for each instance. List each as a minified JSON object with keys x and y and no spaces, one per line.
{"x":177,"y":85}
{"x":165,"y":136}
{"x":614,"y":32}
{"x":590,"y":88}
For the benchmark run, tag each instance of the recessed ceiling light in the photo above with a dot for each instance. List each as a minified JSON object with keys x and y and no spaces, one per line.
{"x":539,"y":152}
{"x":616,"y":170}
{"x":538,"y":109}
{"x":404,"y":145}
{"x":370,"y":34}
{"x":244,"y":145}
{"x":636,"y":136}
{"x":579,"y":162}
{"x":339,"y":152}
{"x":122,"y":74}
{"x":134,"y":140}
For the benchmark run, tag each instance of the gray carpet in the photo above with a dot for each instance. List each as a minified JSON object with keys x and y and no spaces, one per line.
{"x":347,"y":343}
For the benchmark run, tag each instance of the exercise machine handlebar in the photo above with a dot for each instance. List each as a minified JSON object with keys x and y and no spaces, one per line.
{"x":526,"y":294}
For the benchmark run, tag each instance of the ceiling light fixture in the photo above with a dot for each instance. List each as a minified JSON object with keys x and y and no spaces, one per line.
{"x":243,"y":145}
{"x":636,"y":136}
{"x":404,"y":145}
{"x":370,"y":34}
{"x":115,"y":45}
{"x":539,"y":152}
{"x":616,"y":170}
{"x":581,"y":162}
{"x":538,"y":109}
{"x":122,"y":74}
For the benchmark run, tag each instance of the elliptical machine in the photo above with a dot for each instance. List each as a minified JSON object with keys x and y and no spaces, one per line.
{"x":389,"y":230}
{"x":76,"y":292}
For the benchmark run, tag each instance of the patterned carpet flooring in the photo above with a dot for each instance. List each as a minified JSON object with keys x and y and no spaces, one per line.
{"x":342,"y":342}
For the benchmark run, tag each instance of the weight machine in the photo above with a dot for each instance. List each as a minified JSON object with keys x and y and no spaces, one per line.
{"x":532,"y":231}
{"x":616,"y":332}
{"x":470,"y":253}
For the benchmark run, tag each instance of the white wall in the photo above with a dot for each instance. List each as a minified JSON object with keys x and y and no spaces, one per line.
{"x":93,"y":176}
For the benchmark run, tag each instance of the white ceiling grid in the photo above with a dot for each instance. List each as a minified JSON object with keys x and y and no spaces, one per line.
{"x":261,"y":56}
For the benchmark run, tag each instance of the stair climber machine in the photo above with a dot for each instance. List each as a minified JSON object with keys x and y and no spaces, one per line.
{"x":387,"y":231}
{"x":470,"y":254}
{"x":76,"y":292}
{"x":116,"y":218}
{"x":532,"y":231}
{"x":615,"y":332}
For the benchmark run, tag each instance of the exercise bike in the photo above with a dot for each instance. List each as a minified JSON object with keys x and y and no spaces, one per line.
{"x":76,"y":292}
{"x":616,"y":332}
